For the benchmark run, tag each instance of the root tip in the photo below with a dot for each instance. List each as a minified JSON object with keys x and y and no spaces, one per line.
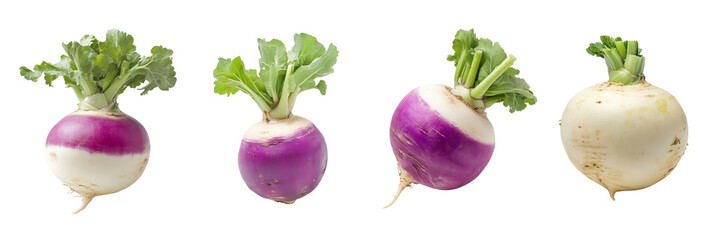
{"x":86,"y":201}
{"x":406,"y":180}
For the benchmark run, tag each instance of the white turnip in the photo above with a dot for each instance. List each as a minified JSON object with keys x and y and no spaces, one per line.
{"x":624,"y":134}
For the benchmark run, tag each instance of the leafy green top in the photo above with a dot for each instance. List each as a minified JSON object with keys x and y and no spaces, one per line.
{"x":623,"y":59}
{"x":282,"y":76}
{"x":484,"y":75}
{"x":99,"y":71}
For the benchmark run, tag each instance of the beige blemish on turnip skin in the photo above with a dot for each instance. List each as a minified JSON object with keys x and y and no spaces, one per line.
{"x":661,"y":105}
{"x":579,"y":103}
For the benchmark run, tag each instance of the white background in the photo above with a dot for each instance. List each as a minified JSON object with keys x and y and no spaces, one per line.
{"x":192,"y":188}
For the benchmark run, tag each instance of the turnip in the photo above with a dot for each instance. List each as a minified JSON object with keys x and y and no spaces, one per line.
{"x":98,"y":149}
{"x":441,"y":136}
{"x":624,"y":134}
{"x":283,"y":157}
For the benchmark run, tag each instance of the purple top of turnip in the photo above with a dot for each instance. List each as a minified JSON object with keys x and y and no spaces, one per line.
{"x":110,"y":134}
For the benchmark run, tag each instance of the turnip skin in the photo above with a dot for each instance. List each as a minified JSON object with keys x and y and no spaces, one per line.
{"x":438,"y":140}
{"x":97,"y":153}
{"x":283,"y":160}
{"x":624,"y":137}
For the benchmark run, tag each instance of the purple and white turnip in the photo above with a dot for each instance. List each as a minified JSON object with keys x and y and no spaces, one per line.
{"x":283,"y":157}
{"x":441,"y":136}
{"x":97,"y":153}
{"x":98,"y":149}
{"x":283,"y":160}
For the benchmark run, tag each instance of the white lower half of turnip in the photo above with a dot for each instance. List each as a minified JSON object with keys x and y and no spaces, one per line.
{"x":624,"y":137}
{"x":439,"y":140}
{"x":97,"y":153}
{"x":283,"y":160}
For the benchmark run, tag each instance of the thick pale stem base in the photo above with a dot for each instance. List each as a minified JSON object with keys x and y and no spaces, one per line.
{"x":406,"y":180}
